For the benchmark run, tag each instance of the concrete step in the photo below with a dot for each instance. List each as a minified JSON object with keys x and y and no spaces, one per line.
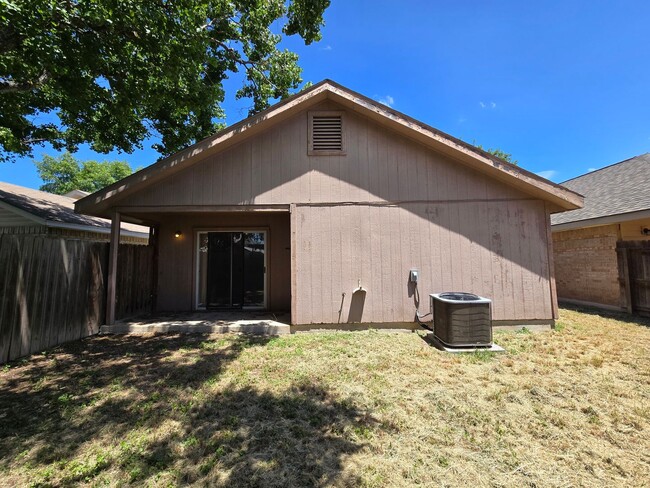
{"x":255,"y":327}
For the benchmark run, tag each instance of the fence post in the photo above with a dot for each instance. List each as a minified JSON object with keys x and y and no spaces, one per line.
{"x":154,"y":236}
{"x":112,"y":268}
{"x":625,"y":255}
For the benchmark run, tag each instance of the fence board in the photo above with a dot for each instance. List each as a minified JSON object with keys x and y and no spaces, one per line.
{"x":634,"y":275}
{"x":43,"y":297}
{"x":6,"y":299}
{"x":27,"y":308}
{"x":67,"y":261}
{"x":38,"y":298}
{"x":54,"y":280}
{"x":54,"y":289}
{"x":14,"y":312}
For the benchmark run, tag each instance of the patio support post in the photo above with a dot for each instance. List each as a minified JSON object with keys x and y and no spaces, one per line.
{"x":293,"y":224}
{"x":112,"y":269}
{"x":154,"y":241}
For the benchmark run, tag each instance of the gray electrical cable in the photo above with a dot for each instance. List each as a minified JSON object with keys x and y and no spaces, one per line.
{"x":417,"y":311}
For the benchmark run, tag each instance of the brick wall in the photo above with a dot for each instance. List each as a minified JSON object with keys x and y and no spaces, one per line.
{"x":585,"y":264}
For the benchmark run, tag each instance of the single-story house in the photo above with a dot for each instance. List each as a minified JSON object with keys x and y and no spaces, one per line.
{"x":27,"y":211}
{"x":616,"y":210}
{"x":323,"y":203}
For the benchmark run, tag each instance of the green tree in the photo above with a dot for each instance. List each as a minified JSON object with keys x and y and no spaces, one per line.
{"x":66,"y":173}
{"x":111,"y":73}
{"x":499,"y":154}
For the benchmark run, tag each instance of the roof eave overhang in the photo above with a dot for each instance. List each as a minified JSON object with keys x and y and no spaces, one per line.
{"x":95,"y":229}
{"x":560,"y":198}
{"x":66,"y":225}
{"x":23,"y":213}
{"x":100,"y":202}
{"x":604,"y":220}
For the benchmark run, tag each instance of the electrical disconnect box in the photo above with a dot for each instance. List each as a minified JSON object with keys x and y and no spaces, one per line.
{"x":413,"y":276}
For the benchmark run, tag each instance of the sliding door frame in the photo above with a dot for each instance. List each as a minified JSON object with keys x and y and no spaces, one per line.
{"x":246,"y":230}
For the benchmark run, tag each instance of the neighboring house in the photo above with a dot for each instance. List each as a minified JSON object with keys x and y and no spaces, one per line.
{"x":322,"y":204}
{"x":27,"y":211}
{"x":616,"y":209}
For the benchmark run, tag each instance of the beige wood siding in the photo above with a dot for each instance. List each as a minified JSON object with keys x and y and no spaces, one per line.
{"x":12,"y":219}
{"x":176,"y":278}
{"x":274,"y":168}
{"x":388,"y":205}
{"x":496,"y":249}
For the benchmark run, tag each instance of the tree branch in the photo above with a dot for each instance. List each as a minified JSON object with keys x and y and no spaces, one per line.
{"x":246,"y":63}
{"x":10,"y":86}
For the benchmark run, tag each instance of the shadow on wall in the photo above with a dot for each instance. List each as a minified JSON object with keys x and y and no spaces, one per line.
{"x":413,"y":292}
{"x":388,"y":167}
{"x":357,"y":302}
{"x":148,"y":405}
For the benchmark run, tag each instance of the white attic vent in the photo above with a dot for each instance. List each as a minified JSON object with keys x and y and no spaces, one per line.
{"x":326,"y":133}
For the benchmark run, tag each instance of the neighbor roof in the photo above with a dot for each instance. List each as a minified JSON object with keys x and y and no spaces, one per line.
{"x":56,"y":211}
{"x":561,"y":198}
{"x":619,"y":190}
{"x":76,"y":194}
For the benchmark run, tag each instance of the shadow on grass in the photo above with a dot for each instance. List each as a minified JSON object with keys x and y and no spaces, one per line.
{"x":153,"y":415}
{"x":610,"y":314}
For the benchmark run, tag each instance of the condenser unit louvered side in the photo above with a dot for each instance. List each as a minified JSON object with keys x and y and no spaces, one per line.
{"x":462,"y":319}
{"x":327,"y":133}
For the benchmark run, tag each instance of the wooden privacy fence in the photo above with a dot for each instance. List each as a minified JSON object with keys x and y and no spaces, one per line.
{"x":634,"y":275}
{"x":53,"y":289}
{"x":134,"y":280}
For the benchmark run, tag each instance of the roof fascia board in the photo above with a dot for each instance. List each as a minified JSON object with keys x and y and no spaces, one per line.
{"x":97,"y":230}
{"x":129,"y":219}
{"x":64,"y":225}
{"x":595,"y":222}
{"x":280,"y":207}
{"x":96,"y":203}
{"x":502,"y":170}
{"x":23,"y":213}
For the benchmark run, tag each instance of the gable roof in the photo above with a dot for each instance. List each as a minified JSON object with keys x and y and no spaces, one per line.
{"x":619,"y":191}
{"x":53,"y":210}
{"x":99,"y":203}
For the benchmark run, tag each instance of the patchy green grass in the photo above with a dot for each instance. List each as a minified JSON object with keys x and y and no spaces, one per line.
{"x":569,"y":407}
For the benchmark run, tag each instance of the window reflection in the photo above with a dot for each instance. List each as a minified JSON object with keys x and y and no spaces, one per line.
{"x":231,"y":269}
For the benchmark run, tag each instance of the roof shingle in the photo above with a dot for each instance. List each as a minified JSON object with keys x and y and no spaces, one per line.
{"x":617,"y":189}
{"x":54,"y":208}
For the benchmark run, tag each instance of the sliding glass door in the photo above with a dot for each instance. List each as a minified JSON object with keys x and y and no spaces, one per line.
{"x":231,"y":270}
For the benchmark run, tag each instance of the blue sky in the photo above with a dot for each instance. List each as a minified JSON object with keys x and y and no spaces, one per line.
{"x":562,"y":85}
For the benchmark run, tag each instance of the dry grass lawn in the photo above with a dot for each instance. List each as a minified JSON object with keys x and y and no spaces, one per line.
{"x":569,"y":407}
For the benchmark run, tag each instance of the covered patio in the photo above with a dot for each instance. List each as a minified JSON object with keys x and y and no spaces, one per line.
{"x":223,"y":270}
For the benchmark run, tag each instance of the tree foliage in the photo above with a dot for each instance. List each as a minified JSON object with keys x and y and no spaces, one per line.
{"x":114,"y":72}
{"x":500,"y":154}
{"x":66,"y":173}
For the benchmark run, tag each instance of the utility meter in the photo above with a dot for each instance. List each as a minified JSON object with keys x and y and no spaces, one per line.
{"x":413,"y":276}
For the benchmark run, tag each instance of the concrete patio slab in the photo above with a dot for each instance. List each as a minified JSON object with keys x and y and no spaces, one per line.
{"x":257,"y":323}
{"x":433,"y":340}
